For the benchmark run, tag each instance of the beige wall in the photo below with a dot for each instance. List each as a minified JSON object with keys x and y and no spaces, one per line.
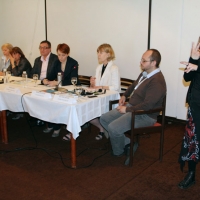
{"x":85,"y":24}
{"x":22,"y":24}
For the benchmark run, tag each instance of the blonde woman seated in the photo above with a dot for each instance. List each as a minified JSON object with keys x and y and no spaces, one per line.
{"x":5,"y":60}
{"x":107,"y":77}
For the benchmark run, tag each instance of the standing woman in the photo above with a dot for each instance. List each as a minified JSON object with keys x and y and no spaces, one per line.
{"x":107,"y":77}
{"x":19,"y":63}
{"x":5,"y":60}
{"x":68,"y":67}
{"x":190,"y":145}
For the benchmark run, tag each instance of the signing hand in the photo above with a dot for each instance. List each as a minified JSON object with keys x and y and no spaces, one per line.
{"x":189,"y":67}
{"x":195,"y":51}
{"x":121,"y":109}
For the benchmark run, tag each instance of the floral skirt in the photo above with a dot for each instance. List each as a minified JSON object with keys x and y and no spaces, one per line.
{"x":190,"y":144}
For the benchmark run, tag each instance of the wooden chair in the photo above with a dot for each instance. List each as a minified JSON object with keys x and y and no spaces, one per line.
{"x":125,"y":83}
{"x":84,"y":80}
{"x":134,"y":133}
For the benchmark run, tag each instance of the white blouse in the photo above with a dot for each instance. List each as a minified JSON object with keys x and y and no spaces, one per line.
{"x":110,"y":77}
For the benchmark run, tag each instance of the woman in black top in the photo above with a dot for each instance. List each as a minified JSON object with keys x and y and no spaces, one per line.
{"x":68,"y":67}
{"x":190,"y":145}
{"x":19,"y":63}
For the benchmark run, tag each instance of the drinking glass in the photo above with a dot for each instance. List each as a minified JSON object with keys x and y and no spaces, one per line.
{"x":35,"y":78}
{"x":74,"y":81}
{"x":8,"y":75}
{"x":78,"y":90}
{"x":24,"y":78}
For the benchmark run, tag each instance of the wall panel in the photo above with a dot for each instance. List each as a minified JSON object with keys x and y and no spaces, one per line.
{"x":23,"y":25}
{"x":85,"y":24}
{"x":166,"y":37}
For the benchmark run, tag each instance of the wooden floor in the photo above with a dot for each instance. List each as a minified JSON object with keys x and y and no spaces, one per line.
{"x":36,"y":166}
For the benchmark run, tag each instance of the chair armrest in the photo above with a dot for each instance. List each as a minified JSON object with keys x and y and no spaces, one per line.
{"x":141,"y":112}
{"x":112,"y":102}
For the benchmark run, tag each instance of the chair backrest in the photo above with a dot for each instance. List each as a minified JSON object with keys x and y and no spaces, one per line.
{"x":125,"y":83}
{"x":84,"y":80}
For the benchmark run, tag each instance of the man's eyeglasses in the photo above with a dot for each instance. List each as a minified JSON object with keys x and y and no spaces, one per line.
{"x":144,"y":61}
{"x":43,"y":47}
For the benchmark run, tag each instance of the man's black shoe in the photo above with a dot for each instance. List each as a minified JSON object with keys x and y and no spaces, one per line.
{"x":127,"y":152}
{"x":116,"y":155}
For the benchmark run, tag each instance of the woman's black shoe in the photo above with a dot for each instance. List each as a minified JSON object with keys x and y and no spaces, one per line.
{"x":99,"y":136}
{"x":188,"y":181}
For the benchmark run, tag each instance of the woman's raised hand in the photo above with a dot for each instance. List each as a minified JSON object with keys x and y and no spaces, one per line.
{"x":189,"y":66}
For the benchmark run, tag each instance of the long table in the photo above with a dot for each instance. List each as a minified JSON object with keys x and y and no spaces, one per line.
{"x":17,"y":98}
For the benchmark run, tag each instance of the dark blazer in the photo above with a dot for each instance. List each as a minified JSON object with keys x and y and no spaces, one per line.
{"x":38,"y":65}
{"x":193,"y":93}
{"x":24,"y":65}
{"x":71,"y":70}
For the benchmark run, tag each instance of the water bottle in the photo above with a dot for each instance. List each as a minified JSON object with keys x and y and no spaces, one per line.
{"x":4,"y":76}
{"x":24,"y":78}
{"x":59,"y":79}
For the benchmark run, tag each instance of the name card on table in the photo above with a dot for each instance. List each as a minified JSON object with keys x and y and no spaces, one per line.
{"x":12,"y":90}
{"x":41,"y":94}
{"x":65,"y":99}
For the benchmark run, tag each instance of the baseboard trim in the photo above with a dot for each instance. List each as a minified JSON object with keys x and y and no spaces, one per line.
{"x":169,"y":120}
{"x":173,"y":119}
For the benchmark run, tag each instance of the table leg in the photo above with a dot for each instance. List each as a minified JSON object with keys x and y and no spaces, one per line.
{"x":4,"y":127}
{"x":1,"y":127}
{"x":73,"y":152}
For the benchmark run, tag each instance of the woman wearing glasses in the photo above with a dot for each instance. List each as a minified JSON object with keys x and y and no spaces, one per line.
{"x":191,"y":140}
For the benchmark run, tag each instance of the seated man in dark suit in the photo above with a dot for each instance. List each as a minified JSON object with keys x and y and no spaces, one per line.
{"x":44,"y":63}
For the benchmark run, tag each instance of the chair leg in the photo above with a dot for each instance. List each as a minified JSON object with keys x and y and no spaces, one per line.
{"x":1,"y":128}
{"x":161,"y":145}
{"x":133,"y":148}
{"x":131,"y":154}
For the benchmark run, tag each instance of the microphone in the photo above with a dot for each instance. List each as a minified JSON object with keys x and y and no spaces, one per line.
{"x":144,"y":74}
{"x":61,"y":89}
{"x":57,"y":88}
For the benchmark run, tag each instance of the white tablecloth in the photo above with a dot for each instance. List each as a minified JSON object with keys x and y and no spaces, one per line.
{"x":73,"y":115}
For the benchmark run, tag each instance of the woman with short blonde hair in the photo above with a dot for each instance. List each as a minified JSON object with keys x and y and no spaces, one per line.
{"x":5,"y":60}
{"x":107,"y":77}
